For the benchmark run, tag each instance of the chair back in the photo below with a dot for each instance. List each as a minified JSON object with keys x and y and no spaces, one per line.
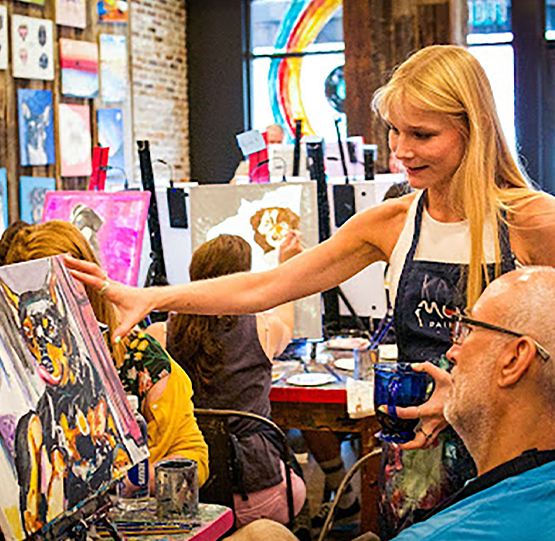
{"x":219,"y":487}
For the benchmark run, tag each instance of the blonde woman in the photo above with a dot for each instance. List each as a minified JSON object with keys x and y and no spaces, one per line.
{"x":473,"y":216}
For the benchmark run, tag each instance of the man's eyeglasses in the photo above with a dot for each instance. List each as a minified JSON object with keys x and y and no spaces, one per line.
{"x":462,"y":325}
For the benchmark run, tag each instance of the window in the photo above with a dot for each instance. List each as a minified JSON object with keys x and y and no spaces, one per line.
{"x":489,"y":39}
{"x":295,"y":64}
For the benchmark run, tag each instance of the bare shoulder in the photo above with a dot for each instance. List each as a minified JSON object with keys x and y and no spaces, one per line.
{"x":381,"y":225}
{"x":158,"y":332}
{"x":532,"y":230}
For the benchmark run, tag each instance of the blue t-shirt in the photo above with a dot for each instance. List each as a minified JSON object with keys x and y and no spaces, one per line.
{"x":518,"y":508}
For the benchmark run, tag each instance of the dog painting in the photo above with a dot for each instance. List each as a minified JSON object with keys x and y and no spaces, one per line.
{"x":262,"y":214}
{"x":66,"y":430}
{"x":36,"y":127}
{"x":271,"y":226}
{"x":32,"y":193}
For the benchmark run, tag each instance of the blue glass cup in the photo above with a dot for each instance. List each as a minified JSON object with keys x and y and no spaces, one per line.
{"x":398,"y":385}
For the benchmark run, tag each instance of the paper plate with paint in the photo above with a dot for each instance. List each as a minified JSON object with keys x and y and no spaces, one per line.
{"x":312,"y":379}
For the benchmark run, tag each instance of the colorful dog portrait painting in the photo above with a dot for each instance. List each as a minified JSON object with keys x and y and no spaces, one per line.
{"x":75,"y":140}
{"x":36,"y":127}
{"x":32,"y":48}
{"x":113,"y":68}
{"x":32,"y":192}
{"x":113,"y":11}
{"x":262,"y":214}
{"x":79,"y":63}
{"x":110,"y":134}
{"x":71,"y":13}
{"x":3,"y":37}
{"x":113,"y":223}
{"x":66,"y":429}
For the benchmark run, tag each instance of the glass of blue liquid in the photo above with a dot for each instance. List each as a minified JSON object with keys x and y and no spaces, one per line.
{"x":398,"y":385}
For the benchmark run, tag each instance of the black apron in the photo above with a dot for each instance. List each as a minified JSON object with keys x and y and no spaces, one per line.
{"x":419,"y":480}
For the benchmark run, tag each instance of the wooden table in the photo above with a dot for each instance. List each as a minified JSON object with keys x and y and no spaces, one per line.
{"x":325,"y":408}
{"x":210,"y":524}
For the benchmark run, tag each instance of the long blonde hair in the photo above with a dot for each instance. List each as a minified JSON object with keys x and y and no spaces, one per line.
{"x":57,"y":237}
{"x":449,"y":80}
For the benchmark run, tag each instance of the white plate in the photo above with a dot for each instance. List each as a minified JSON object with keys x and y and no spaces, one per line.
{"x":312,"y":379}
{"x":345,"y":364}
{"x":347,"y":343}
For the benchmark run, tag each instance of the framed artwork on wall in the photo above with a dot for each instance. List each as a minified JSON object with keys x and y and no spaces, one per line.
{"x":71,"y":13}
{"x":3,"y":37}
{"x":112,"y":11}
{"x":36,"y":127}
{"x":110,"y":134}
{"x":32,"y":192}
{"x":75,"y":140}
{"x":113,"y":67}
{"x":32,"y":48}
{"x":79,"y":63}
{"x":4,"y":198}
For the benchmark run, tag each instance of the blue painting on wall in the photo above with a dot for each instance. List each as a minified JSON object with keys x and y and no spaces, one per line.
{"x":36,"y":127}
{"x":110,"y":134}
{"x":32,"y":191}
{"x":4,"y":197}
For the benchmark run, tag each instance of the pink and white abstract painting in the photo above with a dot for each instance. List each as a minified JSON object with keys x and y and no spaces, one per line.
{"x":113,"y":223}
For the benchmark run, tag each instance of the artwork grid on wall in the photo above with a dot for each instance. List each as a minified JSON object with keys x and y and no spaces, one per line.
{"x":36,"y":127}
{"x":66,"y":429}
{"x":79,"y":63}
{"x":32,"y":48}
{"x":71,"y":13}
{"x":113,"y":223}
{"x":75,"y":140}
{"x":32,"y":192}
{"x":113,"y":68}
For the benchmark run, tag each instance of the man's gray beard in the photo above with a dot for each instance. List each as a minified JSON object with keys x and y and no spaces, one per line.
{"x":473,"y":426}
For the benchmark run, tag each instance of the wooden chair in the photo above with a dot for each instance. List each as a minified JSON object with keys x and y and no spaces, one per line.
{"x":218,"y":488}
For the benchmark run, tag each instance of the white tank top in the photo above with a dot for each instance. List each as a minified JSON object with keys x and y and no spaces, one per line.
{"x":439,"y":242}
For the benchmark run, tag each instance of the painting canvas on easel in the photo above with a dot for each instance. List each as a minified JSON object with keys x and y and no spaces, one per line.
{"x":66,"y":429}
{"x":262,"y":214}
{"x":113,"y":223}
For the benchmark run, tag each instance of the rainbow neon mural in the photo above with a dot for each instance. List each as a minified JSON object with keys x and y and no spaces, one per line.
{"x":301,"y":26}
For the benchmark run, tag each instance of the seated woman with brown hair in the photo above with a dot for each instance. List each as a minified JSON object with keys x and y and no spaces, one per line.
{"x":144,"y":367}
{"x":229,"y":361}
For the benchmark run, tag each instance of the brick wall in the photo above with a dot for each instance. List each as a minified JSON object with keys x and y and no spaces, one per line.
{"x":159,"y":74}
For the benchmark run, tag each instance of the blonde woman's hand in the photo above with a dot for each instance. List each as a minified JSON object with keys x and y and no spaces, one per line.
{"x":291,"y":246}
{"x":432,"y":420}
{"x":132,"y":303}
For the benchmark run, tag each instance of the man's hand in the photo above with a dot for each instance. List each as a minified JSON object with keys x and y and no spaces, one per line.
{"x":432,"y":421}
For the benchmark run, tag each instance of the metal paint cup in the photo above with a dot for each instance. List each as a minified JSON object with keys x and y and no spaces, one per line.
{"x":176,"y":488}
{"x":365,"y":358}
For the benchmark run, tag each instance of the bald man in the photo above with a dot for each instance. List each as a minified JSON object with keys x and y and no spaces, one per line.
{"x":500,"y":398}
